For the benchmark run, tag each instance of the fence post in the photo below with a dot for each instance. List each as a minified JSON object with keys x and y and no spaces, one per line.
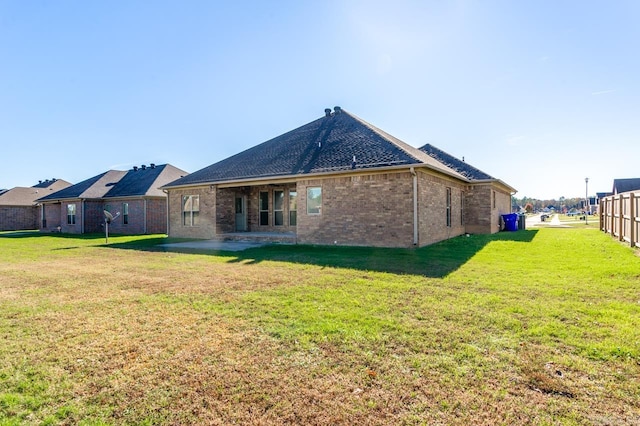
{"x":632,"y":220}
{"x":613,"y":216}
{"x":621,"y":219}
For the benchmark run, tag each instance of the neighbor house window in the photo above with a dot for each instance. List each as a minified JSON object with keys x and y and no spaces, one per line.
{"x":314,"y":200}
{"x":448,"y":201}
{"x":293,"y":208}
{"x":190,"y":210}
{"x":264,"y":208}
{"x":125,"y":213}
{"x":494,"y":199}
{"x":71,"y":214}
{"x":43,"y":217}
{"x":278,"y":208}
{"x":462,"y":208}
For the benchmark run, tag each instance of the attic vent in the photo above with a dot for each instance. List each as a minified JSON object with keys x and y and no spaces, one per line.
{"x":327,"y":112}
{"x":135,"y":168}
{"x":143,"y":167}
{"x":152,"y":165}
{"x":337,"y":109}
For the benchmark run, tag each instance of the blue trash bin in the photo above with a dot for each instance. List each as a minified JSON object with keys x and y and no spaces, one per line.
{"x":510,"y":222}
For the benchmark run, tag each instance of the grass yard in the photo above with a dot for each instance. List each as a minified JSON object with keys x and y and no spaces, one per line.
{"x":532,"y":327}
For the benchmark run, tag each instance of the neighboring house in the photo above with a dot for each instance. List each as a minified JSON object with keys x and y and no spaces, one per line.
{"x":625,"y":185}
{"x":18,"y":209}
{"x":338,"y":180}
{"x":599,"y":196}
{"x":135,"y":194}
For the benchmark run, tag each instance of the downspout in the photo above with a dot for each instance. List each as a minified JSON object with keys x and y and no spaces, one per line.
{"x":167,"y":215}
{"x":415,"y":206}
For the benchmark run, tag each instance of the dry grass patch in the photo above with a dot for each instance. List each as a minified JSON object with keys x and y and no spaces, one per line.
{"x":95,"y":335}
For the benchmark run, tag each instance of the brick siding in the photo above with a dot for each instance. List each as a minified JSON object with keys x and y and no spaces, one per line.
{"x":374,"y":209}
{"x":16,"y":218}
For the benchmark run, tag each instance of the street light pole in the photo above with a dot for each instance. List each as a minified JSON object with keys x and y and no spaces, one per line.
{"x":586,"y":199}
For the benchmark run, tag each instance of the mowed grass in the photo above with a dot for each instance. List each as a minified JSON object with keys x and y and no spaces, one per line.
{"x":532,"y":327}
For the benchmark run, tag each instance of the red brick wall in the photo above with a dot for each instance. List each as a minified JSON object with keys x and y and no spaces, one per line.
{"x":94,"y":216}
{"x":18,"y":218}
{"x":157,"y":216}
{"x":70,"y":229}
{"x":52,"y":215}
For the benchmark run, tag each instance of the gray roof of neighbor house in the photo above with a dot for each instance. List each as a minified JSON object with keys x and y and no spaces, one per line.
{"x":465,"y":169}
{"x":145,"y":181}
{"x":625,"y":185}
{"x":22,"y":196}
{"x":339,"y":141}
{"x":140,"y":181}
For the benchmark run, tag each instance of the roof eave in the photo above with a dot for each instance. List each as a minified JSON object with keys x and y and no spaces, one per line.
{"x":295,"y":177}
{"x":498,"y":181}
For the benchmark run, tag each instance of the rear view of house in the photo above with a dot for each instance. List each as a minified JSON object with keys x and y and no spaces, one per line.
{"x":338,"y":180}
{"x":18,"y":207}
{"x":135,"y":194}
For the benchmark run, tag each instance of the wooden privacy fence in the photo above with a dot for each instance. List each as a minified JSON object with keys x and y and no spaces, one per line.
{"x":620,"y":216}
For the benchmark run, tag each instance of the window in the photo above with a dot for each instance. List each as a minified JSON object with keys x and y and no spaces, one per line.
{"x":293,"y":208}
{"x":264,"y":208}
{"x":494,"y":198}
{"x":71,"y":214}
{"x":448,"y":201}
{"x":278,"y":208}
{"x":314,"y":200}
{"x":190,"y":210}
{"x":462,"y":208}
{"x":125,"y":213}
{"x":43,"y":216}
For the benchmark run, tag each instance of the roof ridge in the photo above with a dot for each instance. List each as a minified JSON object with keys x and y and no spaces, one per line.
{"x":408,"y":149}
{"x":453,"y":157}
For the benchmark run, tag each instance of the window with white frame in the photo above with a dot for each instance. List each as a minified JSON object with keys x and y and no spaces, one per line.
{"x":71,"y":214}
{"x":190,"y":210}
{"x":314,"y":200}
{"x":125,"y":213}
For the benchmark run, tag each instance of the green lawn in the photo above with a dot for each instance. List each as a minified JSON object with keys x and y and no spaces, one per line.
{"x":530,"y":327}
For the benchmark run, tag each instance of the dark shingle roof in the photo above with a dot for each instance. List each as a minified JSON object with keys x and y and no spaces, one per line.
{"x":117,"y":183}
{"x":145,"y":182}
{"x":625,"y":185}
{"x":46,"y":183}
{"x":460,"y":166}
{"x":94,"y":187}
{"x":325,"y":145}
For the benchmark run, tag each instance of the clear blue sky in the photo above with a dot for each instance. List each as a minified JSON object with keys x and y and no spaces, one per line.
{"x":540,"y":94}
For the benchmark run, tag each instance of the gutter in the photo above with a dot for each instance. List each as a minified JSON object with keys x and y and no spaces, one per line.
{"x":296,"y":177}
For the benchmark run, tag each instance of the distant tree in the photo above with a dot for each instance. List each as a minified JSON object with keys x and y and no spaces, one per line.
{"x":528,"y":207}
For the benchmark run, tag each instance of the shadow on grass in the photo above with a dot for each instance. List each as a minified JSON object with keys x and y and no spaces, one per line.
{"x":435,"y":261}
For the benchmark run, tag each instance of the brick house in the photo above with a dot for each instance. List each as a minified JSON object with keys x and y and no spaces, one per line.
{"x":338,"y":180}
{"x":135,"y":194}
{"x":18,"y":207}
